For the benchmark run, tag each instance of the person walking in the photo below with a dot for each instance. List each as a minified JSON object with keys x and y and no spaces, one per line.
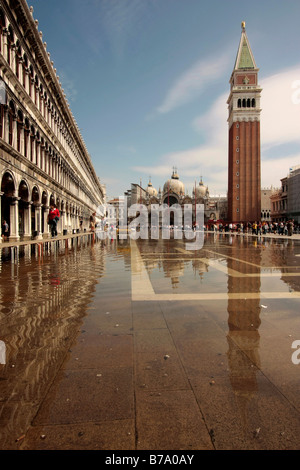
{"x":290,"y":227}
{"x":53,"y":218}
{"x":5,"y":230}
{"x":92,"y":223}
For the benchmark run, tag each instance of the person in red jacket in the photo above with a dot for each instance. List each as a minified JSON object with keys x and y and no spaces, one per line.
{"x":53,"y":218}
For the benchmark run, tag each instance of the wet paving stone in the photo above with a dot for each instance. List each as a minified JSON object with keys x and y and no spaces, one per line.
{"x":145,"y":345}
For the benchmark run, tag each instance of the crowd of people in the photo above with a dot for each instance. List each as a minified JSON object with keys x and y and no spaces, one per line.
{"x":255,"y":228}
{"x":259,"y":228}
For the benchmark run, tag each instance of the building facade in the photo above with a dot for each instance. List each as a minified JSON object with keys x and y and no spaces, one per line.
{"x":266,"y":207}
{"x":43,"y":157}
{"x":244,"y":169}
{"x":293,"y":199}
{"x":285,"y":202}
{"x":173,"y":192}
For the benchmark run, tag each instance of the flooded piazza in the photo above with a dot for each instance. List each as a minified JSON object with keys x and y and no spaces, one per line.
{"x":146,"y":345}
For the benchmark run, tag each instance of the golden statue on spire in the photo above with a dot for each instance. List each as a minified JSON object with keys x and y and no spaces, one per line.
{"x":243,"y":25}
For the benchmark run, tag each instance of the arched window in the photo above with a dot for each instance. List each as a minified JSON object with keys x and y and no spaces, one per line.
{"x":19,"y":129}
{"x":244,"y":103}
{"x":35,"y":195}
{"x":10,"y":41}
{"x":11,"y":118}
{"x":25,"y":69}
{"x":2,"y":26}
{"x":26,"y":136}
{"x":45,"y":105}
{"x":31,"y":79}
{"x":239,"y":103}
{"x":42,"y":153}
{"x":23,"y":191}
{"x":1,"y":119}
{"x":32,"y":138}
{"x":253,"y":103}
{"x":50,"y":162}
{"x":36,"y":88}
{"x":37,"y":148}
{"x":18,"y":58}
{"x":8,"y":184}
{"x":41,"y":91}
{"x":248,"y":103}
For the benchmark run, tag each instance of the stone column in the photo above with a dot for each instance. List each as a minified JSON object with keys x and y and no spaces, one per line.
{"x":46,"y":233}
{"x":14,"y":216}
{"x":6,"y":124}
{"x":37,"y":96}
{"x":26,"y":143}
{"x":27,"y":222}
{"x":38,"y":221}
{"x":14,"y":133}
{"x":22,"y":139}
{"x":33,"y":149}
{"x":37,"y":153}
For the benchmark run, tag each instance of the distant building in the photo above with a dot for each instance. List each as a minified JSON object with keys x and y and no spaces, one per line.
{"x":244,"y":168}
{"x":293,"y":186}
{"x":115,"y":212}
{"x":285,"y":202}
{"x":279,"y":203}
{"x":266,"y":206}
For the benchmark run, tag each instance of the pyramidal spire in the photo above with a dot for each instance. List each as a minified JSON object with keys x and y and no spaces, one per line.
{"x":244,"y":58}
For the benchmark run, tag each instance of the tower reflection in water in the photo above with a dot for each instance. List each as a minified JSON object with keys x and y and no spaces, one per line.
{"x":243,"y":336}
{"x":42,"y":302}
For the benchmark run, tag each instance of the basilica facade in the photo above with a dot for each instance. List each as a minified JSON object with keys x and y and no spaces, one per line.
{"x":174,"y":193}
{"x":43,"y":157}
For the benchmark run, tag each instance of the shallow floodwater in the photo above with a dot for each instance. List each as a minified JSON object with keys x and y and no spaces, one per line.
{"x":190,"y":349}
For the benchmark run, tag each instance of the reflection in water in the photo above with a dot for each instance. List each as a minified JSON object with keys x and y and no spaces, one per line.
{"x":243,"y":336}
{"x":42,"y":302}
{"x":253,"y":258}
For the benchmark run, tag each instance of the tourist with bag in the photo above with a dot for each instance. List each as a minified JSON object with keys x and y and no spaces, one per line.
{"x":53,"y":218}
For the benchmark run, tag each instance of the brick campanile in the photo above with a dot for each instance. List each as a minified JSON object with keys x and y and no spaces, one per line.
{"x":244,"y":186}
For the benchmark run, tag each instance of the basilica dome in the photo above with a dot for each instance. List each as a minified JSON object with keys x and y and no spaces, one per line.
{"x":151,"y":190}
{"x":174,"y":185}
{"x":201,"y":190}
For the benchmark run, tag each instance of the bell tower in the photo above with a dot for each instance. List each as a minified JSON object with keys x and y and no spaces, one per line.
{"x":244,"y":181}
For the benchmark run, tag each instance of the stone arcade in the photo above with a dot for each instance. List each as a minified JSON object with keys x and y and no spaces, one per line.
{"x":43,"y":158}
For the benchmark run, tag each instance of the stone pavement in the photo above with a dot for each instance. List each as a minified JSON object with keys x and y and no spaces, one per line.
{"x":177,"y":350}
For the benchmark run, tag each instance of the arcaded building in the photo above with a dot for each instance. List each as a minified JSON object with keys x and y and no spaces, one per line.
{"x":43,"y":157}
{"x":244,"y":166}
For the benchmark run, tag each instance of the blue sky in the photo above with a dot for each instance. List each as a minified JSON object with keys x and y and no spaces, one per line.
{"x":148,"y":80}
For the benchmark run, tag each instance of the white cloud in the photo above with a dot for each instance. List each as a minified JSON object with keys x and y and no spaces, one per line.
{"x":192,"y":82}
{"x":280,"y":119}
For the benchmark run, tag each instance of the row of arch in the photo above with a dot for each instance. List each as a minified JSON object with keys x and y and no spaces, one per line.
{"x":17,"y":130}
{"x":266,"y":214}
{"x":30,"y":80}
{"x":246,"y":103}
{"x":169,"y":200}
{"x":25,"y":207}
{"x":14,"y":51}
